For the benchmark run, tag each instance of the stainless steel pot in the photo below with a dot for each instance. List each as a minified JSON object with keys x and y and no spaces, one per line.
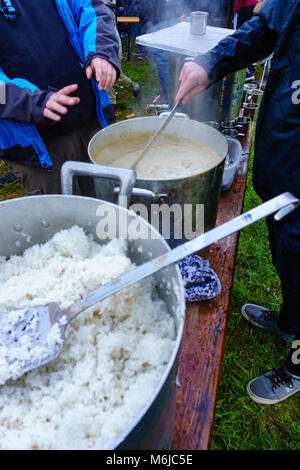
{"x":199,"y":189}
{"x":220,"y":102}
{"x":33,"y":220}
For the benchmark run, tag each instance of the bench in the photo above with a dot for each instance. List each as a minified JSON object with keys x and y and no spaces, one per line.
{"x":202,"y":349}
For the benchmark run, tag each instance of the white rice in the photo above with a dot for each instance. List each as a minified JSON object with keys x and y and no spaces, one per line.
{"x":115,"y":352}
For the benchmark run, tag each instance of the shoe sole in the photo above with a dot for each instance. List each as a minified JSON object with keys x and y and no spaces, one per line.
{"x":253,"y":322}
{"x":265,"y":401}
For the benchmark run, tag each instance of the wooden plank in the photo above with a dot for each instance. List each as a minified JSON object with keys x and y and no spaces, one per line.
{"x":202,"y":348}
{"x":128,"y":19}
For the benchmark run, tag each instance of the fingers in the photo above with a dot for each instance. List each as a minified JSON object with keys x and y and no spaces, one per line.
{"x":50,"y":115}
{"x":66,"y":100}
{"x":104,"y":73}
{"x":193,"y":80}
{"x":53,"y":105}
{"x":192,"y":93}
{"x":183,"y":73}
{"x":185,"y":87}
{"x":59,"y":102}
{"x":111,"y":76}
{"x":97,"y":67}
{"x":89,"y":72}
{"x":67,"y":90}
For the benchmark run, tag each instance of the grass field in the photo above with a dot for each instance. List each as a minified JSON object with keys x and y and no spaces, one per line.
{"x":240,"y":423}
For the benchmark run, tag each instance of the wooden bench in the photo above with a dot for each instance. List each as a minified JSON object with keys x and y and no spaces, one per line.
{"x":202,"y":348}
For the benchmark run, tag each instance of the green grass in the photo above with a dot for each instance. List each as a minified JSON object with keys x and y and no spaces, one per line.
{"x":143,"y":72}
{"x":240,"y":423}
{"x":9,"y":191}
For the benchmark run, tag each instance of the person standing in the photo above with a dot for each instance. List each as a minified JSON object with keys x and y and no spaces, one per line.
{"x":244,"y":10}
{"x":66,"y":53}
{"x":276,"y":169}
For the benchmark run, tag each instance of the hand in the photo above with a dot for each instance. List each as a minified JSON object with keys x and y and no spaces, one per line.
{"x":103,"y":72}
{"x":193,"y":80}
{"x":58,"y":102}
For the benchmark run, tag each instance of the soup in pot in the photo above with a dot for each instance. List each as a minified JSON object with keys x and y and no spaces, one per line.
{"x":170,"y":158}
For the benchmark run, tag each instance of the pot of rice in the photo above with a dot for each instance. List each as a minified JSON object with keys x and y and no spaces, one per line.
{"x":113,"y":387}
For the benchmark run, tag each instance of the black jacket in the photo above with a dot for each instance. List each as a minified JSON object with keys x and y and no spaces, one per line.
{"x":276,"y":28}
{"x":277,"y":146}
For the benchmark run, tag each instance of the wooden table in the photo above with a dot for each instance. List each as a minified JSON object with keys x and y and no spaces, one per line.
{"x":130,"y":21}
{"x":202,"y":349}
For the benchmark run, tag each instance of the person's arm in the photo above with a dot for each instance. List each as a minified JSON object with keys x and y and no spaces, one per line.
{"x":255,"y":40}
{"x":23,"y":102}
{"x":99,"y":39}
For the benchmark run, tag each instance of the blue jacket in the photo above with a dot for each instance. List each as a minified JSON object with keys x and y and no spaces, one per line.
{"x":277,"y":145}
{"x":91,"y":33}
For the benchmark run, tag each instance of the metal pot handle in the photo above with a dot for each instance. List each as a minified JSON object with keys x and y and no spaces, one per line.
{"x":126,"y":178}
{"x":146,"y":193}
{"x":176,"y":115}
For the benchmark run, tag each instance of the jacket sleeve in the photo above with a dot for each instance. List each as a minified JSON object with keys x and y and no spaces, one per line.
{"x":21,"y":101}
{"x":97,"y":31}
{"x":254,"y":41}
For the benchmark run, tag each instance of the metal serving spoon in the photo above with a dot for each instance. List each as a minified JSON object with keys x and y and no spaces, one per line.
{"x":155,"y":137}
{"x":35,"y":327}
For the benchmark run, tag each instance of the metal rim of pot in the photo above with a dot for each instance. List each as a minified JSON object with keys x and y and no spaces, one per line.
{"x":202,"y":188}
{"x":46,"y":212}
{"x":183,"y":117}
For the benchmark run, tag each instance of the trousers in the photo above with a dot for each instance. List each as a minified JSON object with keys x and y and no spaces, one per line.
{"x":70,"y":146}
{"x":284,"y":239}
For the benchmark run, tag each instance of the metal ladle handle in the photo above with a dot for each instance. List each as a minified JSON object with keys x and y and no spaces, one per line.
{"x":279,"y":203}
{"x":156,"y":135}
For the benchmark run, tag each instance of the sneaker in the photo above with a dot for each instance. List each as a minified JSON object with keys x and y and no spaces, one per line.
{"x":273,"y":387}
{"x":266,"y":319}
{"x":9,"y":177}
{"x":249,"y":76}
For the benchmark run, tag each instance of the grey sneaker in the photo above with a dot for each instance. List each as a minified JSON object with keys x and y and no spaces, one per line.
{"x":266,"y":319}
{"x":273,"y":387}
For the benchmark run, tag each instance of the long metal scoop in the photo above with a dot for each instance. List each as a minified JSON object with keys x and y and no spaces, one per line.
{"x":156,"y":135}
{"x":35,"y":336}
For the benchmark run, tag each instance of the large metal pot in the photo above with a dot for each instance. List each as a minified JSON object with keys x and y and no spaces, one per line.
{"x":220,"y":102}
{"x":35,"y":220}
{"x":202,"y":189}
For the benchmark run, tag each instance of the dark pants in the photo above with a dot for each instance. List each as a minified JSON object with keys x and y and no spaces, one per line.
{"x":71,"y":146}
{"x":285,"y":248}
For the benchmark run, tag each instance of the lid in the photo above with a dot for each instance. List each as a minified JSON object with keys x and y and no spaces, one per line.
{"x":178,"y":39}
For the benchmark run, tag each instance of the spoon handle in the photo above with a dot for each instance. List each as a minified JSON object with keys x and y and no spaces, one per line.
{"x":156,"y":135}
